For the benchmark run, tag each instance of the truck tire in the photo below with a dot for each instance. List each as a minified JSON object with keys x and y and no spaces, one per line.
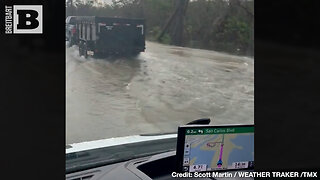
{"x":85,"y":49}
{"x":70,"y":39}
{"x":80,"y":49}
{"x":71,"y":42}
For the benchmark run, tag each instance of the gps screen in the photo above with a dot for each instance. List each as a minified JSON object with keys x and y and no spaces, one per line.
{"x":213,"y":148}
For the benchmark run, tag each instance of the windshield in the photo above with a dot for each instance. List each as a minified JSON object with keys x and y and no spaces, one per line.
{"x":166,"y":64}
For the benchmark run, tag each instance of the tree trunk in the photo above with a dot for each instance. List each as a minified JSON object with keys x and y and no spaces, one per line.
{"x":175,"y":24}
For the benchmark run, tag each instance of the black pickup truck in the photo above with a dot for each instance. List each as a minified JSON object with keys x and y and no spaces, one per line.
{"x":97,"y":36}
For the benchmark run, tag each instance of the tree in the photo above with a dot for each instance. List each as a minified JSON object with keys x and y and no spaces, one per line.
{"x":175,"y":24}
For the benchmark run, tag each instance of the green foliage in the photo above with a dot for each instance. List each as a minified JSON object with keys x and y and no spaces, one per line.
{"x":166,"y":39}
{"x":153,"y":33}
{"x":235,"y":34}
{"x":221,"y":25}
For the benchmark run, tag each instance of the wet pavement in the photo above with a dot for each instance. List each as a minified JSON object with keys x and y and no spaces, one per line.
{"x":155,"y":92}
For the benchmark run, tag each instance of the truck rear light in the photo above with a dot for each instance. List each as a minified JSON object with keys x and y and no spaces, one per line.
{"x":73,"y":30}
{"x":140,"y":26}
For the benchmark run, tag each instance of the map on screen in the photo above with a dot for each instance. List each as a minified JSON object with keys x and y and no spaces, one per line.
{"x":209,"y":149}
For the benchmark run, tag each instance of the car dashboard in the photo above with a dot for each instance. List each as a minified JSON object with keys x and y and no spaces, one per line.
{"x":155,"y":167}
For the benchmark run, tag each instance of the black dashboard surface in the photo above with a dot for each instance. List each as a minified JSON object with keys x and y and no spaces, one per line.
{"x":156,"y":167}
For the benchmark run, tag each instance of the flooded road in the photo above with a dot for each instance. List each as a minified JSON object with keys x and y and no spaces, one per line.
{"x":157,"y":91}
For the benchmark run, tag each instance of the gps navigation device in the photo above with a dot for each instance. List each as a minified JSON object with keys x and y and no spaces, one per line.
{"x":205,"y":148}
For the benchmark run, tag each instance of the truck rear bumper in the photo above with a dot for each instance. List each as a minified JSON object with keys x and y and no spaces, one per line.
{"x":119,"y":50}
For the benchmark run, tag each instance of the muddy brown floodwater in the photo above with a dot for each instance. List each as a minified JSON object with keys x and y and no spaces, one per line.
{"x":155,"y":92}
